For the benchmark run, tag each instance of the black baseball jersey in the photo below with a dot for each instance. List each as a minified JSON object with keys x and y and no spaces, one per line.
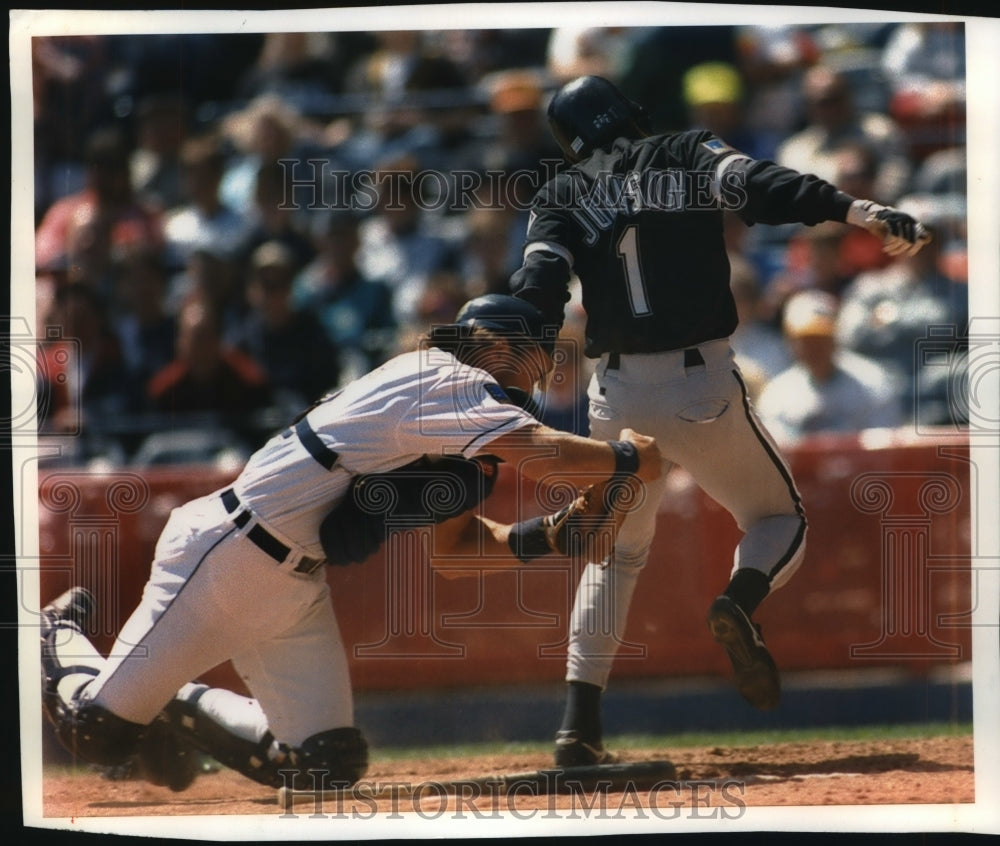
{"x":641,"y":226}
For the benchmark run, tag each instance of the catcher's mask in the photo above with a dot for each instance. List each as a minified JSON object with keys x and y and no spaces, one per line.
{"x":513,"y":319}
{"x":589,"y":113}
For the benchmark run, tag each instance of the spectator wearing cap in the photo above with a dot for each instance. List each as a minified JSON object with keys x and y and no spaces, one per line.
{"x":826,"y":389}
{"x":204,"y":219}
{"x":107,"y":202}
{"x":290,"y":343}
{"x":714,"y":96}
{"x":524,"y":150}
{"x":516,"y":99}
{"x":354,"y":308}
{"x":834,"y":121}
{"x":886,"y":312}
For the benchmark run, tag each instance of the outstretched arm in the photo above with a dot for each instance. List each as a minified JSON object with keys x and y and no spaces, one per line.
{"x":586,"y":526}
{"x":774,"y":194}
{"x":444,"y":491}
{"x":539,"y":452}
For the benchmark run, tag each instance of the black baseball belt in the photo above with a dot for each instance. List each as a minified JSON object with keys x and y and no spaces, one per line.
{"x":262,"y":537}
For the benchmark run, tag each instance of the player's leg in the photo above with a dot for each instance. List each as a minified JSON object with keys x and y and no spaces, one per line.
{"x":602,"y":601}
{"x":597,"y":630}
{"x":736,"y":462}
{"x":299,"y":730}
{"x":210,"y":593}
{"x":107,"y":710}
{"x":91,"y":732}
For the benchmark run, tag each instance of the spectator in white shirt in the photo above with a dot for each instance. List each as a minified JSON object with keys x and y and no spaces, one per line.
{"x":827,"y":389}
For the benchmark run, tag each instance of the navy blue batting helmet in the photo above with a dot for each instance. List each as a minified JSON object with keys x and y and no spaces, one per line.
{"x":505,"y":315}
{"x":589,"y":113}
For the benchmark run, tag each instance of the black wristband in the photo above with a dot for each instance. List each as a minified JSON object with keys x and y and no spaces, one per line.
{"x":527,"y":539}
{"x":626,"y":457}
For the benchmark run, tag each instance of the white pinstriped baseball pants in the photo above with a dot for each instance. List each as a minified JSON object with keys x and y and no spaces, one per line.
{"x":212,"y":596}
{"x":703,"y":422}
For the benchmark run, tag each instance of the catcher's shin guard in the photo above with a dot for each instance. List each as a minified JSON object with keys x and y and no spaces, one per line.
{"x":165,"y":758}
{"x":233,"y":731}
{"x":69,"y":662}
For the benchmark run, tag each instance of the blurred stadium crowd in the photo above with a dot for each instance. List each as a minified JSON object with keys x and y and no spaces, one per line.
{"x":228,"y":226}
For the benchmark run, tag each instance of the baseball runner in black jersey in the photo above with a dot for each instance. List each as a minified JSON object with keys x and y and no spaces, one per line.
{"x":238,"y":574}
{"x":639,"y":219}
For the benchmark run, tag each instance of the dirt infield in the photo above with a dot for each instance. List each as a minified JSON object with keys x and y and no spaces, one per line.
{"x":711,"y":780}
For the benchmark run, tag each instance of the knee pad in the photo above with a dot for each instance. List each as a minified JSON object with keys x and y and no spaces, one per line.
{"x":92,"y":733}
{"x":88,"y":731}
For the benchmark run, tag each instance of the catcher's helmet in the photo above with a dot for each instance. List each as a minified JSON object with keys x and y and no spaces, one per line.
{"x":503,"y":314}
{"x":589,"y":113}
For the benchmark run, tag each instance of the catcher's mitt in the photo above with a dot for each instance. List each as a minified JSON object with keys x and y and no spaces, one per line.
{"x":430,"y":490}
{"x":584,"y":528}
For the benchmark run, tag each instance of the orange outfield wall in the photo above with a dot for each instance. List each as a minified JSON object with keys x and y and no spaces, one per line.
{"x":886,"y":580}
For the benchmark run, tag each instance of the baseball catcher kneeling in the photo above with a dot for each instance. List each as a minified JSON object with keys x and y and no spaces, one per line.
{"x":238,"y":574}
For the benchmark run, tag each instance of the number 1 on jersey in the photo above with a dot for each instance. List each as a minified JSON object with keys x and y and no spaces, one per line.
{"x":628,"y":250}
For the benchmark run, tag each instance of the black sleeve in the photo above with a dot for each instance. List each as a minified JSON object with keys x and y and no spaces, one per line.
{"x":774,"y":194}
{"x":543,"y":281}
{"x":544,"y":275}
{"x":761,"y":191}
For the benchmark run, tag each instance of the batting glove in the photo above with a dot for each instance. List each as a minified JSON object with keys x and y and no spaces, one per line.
{"x":901,"y":234}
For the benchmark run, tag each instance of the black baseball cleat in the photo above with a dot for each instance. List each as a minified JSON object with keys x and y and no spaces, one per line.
{"x":571,"y":751}
{"x":74,"y":607}
{"x":757,"y":676}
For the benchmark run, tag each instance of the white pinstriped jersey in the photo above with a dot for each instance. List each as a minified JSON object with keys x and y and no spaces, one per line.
{"x":421,"y":402}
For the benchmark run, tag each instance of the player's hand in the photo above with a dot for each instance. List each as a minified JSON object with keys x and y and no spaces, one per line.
{"x":901,"y":234}
{"x":650,"y":460}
